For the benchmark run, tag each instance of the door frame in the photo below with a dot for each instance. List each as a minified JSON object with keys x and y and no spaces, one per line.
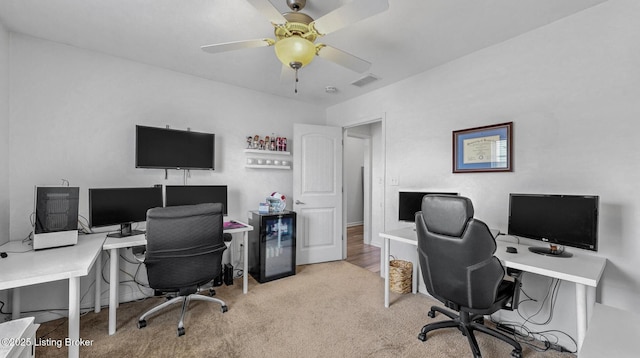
{"x":379,"y":118}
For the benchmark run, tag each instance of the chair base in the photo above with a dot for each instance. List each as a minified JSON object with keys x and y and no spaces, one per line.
{"x":142,"y":322}
{"x":467,"y":324}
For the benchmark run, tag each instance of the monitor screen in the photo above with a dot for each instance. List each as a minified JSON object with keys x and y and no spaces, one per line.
{"x":56,"y":209}
{"x":569,"y":220}
{"x":122,"y":206}
{"x":410,"y":202}
{"x":174,"y":149}
{"x":196,"y":194}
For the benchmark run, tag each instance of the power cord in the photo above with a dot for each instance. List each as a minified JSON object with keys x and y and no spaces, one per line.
{"x":524,"y":335}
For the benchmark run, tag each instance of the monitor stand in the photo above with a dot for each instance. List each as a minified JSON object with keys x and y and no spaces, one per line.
{"x":125,"y":230}
{"x":549,"y":251}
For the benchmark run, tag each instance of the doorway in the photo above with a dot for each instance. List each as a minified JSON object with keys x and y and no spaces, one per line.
{"x":364,"y":194}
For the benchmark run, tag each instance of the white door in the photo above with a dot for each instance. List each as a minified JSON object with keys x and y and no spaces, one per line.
{"x":317,"y":192}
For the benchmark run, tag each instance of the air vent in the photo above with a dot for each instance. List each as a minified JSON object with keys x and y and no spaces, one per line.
{"x":365,"y":80}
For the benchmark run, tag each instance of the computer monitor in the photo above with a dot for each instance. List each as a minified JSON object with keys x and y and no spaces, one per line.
{"x":122,"y":206}
{"x":56,"y":216}
{"x":569,"y":220}
{"x":410,"y":202}
{"x":196,"y":194}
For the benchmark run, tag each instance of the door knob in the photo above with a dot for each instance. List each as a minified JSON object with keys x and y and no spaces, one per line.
{"x":298,"y":202}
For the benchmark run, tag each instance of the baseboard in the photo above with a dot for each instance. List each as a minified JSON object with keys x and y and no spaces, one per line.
{"x":357,"y":223}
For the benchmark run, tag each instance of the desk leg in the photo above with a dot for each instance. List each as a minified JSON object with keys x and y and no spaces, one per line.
{"x":98,"y":266}
{"x":15,"y":303}
{"x":74,"y":316}
{"x":386,"y":272}
{"x":113,"y":290}
{"x":581,"y":312}
{"x":245,"y":262}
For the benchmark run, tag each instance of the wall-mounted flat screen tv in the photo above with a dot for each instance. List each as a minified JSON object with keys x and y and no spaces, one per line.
{"x":164,"y":148}
{"x":569,"y":220}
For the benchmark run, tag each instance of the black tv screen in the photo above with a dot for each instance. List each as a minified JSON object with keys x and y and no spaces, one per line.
{"x":196,"y":194}
{"x":122,"y":206}
{"x":569,"y":220}
{"x":410,"y":202}
{"x":165,"y":148}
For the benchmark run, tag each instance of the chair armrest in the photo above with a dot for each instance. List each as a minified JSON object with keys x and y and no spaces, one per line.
{"x":139,"y":253}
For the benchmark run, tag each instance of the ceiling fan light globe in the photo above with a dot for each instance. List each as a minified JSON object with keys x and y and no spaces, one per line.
{"x":295,"y":49}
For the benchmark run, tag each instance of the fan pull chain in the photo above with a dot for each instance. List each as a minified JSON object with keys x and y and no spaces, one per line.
{"x":296,"y":66}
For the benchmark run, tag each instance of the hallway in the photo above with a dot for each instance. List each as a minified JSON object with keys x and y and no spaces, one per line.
{"x":359,"y":253}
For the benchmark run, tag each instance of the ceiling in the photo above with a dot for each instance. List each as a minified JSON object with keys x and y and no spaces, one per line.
{"x":412,"y":36}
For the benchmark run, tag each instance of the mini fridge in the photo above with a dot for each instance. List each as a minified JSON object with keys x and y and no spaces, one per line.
{"x":272,"y":245}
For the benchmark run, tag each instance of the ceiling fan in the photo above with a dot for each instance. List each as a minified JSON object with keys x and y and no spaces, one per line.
{"x":296,"y":33}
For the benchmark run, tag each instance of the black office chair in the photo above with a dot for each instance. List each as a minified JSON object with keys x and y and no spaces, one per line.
{"x":459,"y":269}
{"x":184,"y":252}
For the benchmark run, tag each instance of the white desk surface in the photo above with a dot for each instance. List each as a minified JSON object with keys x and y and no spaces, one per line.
{"x":581,"y":268}
{"x":140,"y":240}
{"x":123,"y":242}
{"x":33,"y":267}
{"x":612,"y":333}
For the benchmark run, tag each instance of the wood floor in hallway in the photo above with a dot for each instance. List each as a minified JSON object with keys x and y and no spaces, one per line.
{"x":359,"y":253}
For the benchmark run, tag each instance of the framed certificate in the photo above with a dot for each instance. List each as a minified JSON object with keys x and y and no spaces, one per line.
{"x":483,"y":149}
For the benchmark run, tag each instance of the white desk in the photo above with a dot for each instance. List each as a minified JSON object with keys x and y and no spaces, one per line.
{"x":113,"y":244}
{"x":583,"y":270}
{"x":612,"y":333}
{"x":34,"y":267}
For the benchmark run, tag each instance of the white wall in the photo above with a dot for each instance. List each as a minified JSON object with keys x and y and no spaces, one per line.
{"x":73,"y":116}
{"x":571,"y":88}
{"x":4,"y":135}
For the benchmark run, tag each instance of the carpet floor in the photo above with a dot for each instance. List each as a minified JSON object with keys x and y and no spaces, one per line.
{"x":332,"y":309}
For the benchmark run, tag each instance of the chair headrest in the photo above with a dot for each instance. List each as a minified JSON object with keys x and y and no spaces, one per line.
{"x":446,"y":214}
{"x":185,"y":211}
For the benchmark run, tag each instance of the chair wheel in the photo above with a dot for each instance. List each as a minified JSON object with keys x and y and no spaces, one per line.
{"x":212,"y":292}
{"x":422,"y":337}
{"x":479,"y":320}
{"x":142,"y":324}
{"x":224,"y":309}
{"x":431,"y":314}
{"x":180,"y":331}
{"x":516,"y":354}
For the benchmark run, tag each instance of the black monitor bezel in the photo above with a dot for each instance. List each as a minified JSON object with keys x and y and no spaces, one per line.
{"x":139,"y":217}
{"x":586,"y":244}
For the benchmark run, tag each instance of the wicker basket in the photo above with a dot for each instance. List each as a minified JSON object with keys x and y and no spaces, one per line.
{"x":400,"y":276}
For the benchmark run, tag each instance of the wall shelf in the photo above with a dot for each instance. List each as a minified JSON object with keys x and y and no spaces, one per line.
{"x":267,"y":166}
{"x":266,"y":152}
{"x":267,"y":155}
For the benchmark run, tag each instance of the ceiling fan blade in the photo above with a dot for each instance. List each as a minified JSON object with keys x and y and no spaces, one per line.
{"x":348,"y":14}
{"x":270,"y":12}
{"x":343,"y":59}
{"x":237,"y":45}
{"x":287,"y":74}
